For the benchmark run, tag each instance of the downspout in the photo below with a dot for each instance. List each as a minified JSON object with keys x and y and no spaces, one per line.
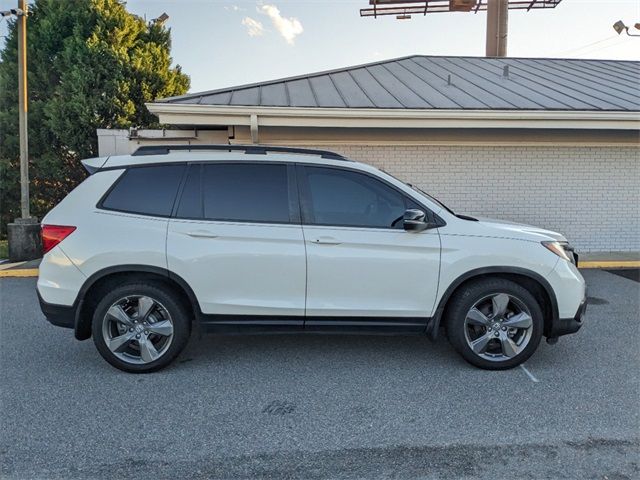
{"x":254,"y":128}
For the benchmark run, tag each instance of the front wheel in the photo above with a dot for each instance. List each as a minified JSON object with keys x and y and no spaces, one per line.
{"x":494,"y":324}
{"x":140,"y":328}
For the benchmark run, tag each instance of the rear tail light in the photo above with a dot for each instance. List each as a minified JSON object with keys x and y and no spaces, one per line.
{"x":52,"y":235}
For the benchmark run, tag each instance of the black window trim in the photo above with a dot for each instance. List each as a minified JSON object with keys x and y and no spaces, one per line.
{"x":100,"y":204}
{"x":292,"y":191}
{"x":297,"y":183}
{"x":183,"y":182}
{"x":305,"y":206}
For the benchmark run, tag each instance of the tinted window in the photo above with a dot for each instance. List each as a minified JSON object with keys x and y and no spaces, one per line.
{"x":340,"y":197}
{"x":191,"y":199}
{"x":246,"y":192}
{"x":146,"y":190}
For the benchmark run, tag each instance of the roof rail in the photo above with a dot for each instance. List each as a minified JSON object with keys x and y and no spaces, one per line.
{"x":252,"y":149}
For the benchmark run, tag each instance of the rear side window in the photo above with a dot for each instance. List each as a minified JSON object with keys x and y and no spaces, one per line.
{"x":145,"y":190}
{"x":246,"y":192}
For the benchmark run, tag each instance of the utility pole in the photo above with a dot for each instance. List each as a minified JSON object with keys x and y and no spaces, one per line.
{"x":497,"y":27}
{"x":24,"y":233}
{"x":23,"y":107}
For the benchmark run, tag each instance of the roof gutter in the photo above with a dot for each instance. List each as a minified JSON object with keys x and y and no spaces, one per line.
{"x":194,"y":114}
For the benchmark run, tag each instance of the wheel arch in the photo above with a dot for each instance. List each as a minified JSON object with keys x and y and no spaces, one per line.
{"x":532,"y":281}
{"x":89,"y":294}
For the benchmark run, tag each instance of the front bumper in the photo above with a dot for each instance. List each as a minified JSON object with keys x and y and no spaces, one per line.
{"x":566,"y":326}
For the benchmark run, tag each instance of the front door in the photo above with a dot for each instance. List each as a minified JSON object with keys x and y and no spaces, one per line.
{"x":363,"y":269}
{"x":236,"y":240}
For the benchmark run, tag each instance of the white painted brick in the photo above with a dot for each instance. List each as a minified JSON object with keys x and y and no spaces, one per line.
{"x":590,"y":194}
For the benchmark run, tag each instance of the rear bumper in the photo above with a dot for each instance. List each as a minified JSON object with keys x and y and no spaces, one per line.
{"x":566,"y":326}
{"x":58,"y":315}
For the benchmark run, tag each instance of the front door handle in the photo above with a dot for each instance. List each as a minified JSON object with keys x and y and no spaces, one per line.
{"x":201,"y":234}
{"x":327,"y":241}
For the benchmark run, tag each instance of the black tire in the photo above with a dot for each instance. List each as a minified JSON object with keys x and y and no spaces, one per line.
{"x":171,"y":302}
{"x":462,"y":302}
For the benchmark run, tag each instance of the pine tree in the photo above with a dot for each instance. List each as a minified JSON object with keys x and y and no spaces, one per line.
{"x":91,"y":64}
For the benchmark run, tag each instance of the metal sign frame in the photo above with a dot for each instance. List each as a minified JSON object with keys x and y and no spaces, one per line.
{"x":417,"y":7}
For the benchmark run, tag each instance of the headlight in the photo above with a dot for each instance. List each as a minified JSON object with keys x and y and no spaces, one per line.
{"x":562,"y":249}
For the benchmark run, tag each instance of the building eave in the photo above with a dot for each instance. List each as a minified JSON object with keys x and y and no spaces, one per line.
{"x":196,"y":115}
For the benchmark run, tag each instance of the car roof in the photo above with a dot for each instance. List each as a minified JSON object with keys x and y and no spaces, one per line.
{"x":248,"y":149}
{"x":212,"y":153}
{"x":297,"y":155}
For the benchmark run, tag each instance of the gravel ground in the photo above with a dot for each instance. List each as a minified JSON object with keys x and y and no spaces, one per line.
{"x":315,"y":407}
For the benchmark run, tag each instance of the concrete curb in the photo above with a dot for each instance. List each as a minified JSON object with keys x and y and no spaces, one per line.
{"x":610,"y":264}
{"x":19,"y":272}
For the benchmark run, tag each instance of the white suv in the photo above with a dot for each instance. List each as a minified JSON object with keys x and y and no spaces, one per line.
{"x":256,"y":239}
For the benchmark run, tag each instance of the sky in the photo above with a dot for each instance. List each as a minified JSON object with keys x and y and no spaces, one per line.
{"x":226,"y":43}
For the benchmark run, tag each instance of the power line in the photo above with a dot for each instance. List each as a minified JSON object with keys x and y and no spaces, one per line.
{"x":587,"y":46}
{"x":602,"y":48}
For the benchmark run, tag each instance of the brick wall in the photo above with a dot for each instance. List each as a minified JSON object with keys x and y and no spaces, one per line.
{"x":591,"y":194}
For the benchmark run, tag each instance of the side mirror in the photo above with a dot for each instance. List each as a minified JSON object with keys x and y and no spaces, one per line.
{"x":415,"y":220}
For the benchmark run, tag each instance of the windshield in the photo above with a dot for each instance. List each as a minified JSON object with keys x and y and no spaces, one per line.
{"x":419,"y":190}
{"x":430,"y":197}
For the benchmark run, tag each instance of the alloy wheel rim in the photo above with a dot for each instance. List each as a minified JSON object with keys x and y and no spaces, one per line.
{"x":498,"y":327}
{"x":137,"y":329}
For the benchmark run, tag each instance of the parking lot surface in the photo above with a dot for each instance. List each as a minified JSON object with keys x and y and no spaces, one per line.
{"x":318,"y":407}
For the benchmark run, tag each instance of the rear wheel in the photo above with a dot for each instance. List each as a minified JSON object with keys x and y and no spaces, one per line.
{"x":494,"y":324}
{"x":140,"y":328}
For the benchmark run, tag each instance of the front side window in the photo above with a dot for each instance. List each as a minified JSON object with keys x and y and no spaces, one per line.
{"x":347,"y":198}
{"x":145,"y":190}
{"x":245,"y":192}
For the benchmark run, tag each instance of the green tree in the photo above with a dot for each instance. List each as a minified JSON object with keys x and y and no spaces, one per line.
{"x":91,"y":64}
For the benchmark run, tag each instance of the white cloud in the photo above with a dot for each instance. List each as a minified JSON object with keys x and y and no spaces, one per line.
{"x":234,"y":8}
{"x":289,"y":28}
{"x":254,"y":27}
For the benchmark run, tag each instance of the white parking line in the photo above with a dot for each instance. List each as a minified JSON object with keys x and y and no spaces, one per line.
{"x":529,"y":374}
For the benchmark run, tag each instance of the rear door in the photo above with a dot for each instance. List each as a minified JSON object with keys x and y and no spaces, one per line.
{"x":363,"y":269}
{"x":236,"y":239}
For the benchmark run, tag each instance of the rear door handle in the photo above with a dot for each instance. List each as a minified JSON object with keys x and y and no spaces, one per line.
{"x":327,"y":241}
{"x":201,"y":234}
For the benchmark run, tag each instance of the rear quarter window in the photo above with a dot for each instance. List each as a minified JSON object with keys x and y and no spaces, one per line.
{"x":145,"y":190}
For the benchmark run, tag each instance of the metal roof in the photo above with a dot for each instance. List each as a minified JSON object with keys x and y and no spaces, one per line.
{"x":458,"y":83}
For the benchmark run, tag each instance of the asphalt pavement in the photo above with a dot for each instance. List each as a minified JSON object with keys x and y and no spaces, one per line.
{"x":322,"y":407}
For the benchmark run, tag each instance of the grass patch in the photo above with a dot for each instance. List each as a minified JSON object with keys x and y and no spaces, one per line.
{"x":4,"y":249}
